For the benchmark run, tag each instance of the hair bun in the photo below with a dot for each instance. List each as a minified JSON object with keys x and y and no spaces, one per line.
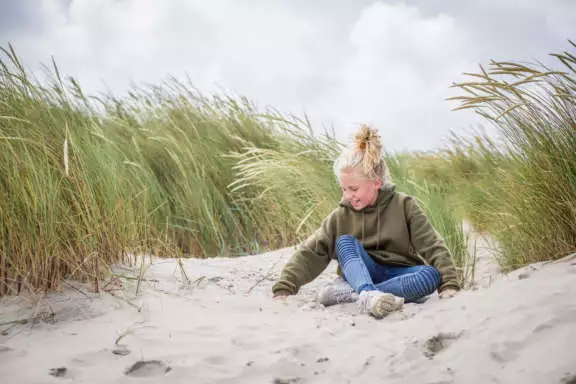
{"x":367,"y":141}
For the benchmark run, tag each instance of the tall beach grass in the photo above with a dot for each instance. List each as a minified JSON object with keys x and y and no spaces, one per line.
{"x":520,"y":187}
{"x":87,"y":180}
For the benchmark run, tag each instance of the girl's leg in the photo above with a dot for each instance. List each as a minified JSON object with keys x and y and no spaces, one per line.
{"x":359,"y":269}
{"x":411,"y":283}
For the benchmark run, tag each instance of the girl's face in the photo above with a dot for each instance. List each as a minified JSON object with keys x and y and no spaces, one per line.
{"x":359,"y":191}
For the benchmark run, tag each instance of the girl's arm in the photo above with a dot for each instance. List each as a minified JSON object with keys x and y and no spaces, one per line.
{"x":308,"y":261}
{"x":430,"y":245}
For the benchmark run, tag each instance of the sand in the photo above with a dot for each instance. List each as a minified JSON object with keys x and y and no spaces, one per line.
{"x":221,"y":326}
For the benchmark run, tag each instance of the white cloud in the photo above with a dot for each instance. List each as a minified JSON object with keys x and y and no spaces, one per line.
{"x":389,"y":64}
{"x":397,"y":73}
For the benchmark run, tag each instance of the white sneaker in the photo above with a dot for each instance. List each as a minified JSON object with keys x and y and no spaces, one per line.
{"x":379,"y":304}
{"x":337,"y":293}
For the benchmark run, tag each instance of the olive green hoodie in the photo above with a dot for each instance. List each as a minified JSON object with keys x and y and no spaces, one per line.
{"x":394,"y":231}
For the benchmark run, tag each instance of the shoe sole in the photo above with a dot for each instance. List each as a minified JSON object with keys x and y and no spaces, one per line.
{"x":386,"y":304}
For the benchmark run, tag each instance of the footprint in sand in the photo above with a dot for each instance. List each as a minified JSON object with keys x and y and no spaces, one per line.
{"x":438,"y":343}
{"x":286,"y":381}
{"x":147,"y":368}
{"x":4,"y":348}
{"x":59,"y":372}
{"x":64,"y":373}
{"x":121,"y":350}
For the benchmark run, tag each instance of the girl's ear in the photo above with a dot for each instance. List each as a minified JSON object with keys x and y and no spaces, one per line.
{"x":378,"y":183}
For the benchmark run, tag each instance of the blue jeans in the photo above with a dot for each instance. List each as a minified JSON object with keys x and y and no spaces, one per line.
{"x":363,"y":273}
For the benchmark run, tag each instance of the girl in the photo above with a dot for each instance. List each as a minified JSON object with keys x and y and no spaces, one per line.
{"x":387,"y":251}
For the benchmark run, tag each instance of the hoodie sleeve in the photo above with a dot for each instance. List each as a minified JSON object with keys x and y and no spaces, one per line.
{"x":312,"y":257}
{"x":430,"y":245}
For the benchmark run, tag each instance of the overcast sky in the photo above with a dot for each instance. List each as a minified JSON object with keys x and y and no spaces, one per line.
{"x":386,"y":63}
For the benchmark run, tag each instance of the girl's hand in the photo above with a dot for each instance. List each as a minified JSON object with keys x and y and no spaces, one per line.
{"x":448,"y":293}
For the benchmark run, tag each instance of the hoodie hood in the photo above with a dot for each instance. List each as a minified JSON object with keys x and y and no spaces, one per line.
{"x":385,"y":195}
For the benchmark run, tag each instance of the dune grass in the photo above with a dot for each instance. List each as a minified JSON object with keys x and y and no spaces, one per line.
{"x":88,"y":180}
{"x":532,"y":187}
{"x":520,"y":187}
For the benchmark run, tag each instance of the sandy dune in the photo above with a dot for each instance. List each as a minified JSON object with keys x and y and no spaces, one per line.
{"x":223,"y":327}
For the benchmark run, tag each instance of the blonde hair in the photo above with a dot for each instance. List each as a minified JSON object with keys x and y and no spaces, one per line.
{"x":365,"y":154}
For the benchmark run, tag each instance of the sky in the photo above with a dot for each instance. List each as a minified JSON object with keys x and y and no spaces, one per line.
{"x":389,"y":64}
